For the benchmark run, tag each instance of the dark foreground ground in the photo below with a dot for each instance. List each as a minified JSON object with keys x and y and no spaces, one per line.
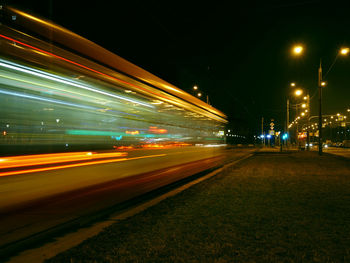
{"x":270,"y":208}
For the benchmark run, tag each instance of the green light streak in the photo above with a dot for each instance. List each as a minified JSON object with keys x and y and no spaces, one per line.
{"x":94,"y":133}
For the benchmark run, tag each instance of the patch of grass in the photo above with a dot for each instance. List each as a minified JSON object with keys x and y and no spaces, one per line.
{"x":270,"y":208}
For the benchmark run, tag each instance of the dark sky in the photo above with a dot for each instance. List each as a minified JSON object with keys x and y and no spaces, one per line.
{"x":238,"y":53}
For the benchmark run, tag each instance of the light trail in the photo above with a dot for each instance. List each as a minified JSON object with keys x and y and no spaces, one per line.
{"x":16,"y":94}
{"x":41,"y":159}
{"x":76,"y":165}
{"x":56,"y":78}
{"x":157,"y":94}
{"x":80,"y":65}
{"x":36,"y":86}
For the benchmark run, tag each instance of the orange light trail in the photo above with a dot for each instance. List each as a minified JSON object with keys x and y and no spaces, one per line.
{"x":157,"y":130}
{"x":76,"y":165}
{"x":154,"y":145}
{"x":41,"y":159}
{"x":124,"y":147}
{"x":132,"y":132}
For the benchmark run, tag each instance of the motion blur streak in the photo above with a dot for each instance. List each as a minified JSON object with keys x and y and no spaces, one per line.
{"x":66,"y":38}
{"x":40,"y":159}
{"x":49,"y":76}
{"x":46,"y":100}
{"x":54,"y":100}
{"x":76,"y":117}
{"x":77,"y":165}
{"x":70,"y":61}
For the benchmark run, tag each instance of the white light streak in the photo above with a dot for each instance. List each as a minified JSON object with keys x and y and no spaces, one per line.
{"x":52,"y":77}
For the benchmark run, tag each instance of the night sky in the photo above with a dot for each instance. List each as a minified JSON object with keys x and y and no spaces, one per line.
{"x":238,"y":54}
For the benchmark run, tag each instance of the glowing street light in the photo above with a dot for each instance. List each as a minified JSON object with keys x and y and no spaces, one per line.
{"x":297,"y":50}
{"x":344,"y":51}
{"x":199,"y":94}
{"x":298,"y":92}
{"x":195,"y":87}
{"x":292,"y":84}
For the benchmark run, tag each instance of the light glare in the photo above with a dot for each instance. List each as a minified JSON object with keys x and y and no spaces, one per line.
{"x":298,"y":50}
{"x":298,"y":92}
{"x":344,"y":51}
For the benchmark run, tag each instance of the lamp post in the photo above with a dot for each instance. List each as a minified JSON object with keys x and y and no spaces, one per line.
{"x":343,"y":52}
{"x":196,"y":91}
{"x":320,"y":109}
{"x":287,"y":127}
{"x":304,"y":108}
{"x":308,"y":123}
{"x":297,"y":51}
{"x":199,"y":94}
{"x":298,"y":92}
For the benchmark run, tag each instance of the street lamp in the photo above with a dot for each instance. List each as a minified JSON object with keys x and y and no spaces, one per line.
{"x":199,"y":93}
{"x":297,"y":50}
{"x":298,"y":92}
{"x":344,"y":51}
{"x":304,"y":105}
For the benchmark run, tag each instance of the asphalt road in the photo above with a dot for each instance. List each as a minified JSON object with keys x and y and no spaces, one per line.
{"x":35,"y":202}
{"x":345,"y":152}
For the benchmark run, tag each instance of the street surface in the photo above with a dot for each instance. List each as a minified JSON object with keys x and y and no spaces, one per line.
{"x":34,"y":202}
{"x":345,"y":152}
{"x":271,"y":207}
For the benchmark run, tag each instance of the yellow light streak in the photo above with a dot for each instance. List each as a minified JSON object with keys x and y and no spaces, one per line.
{"x":41,"y":159}
{"x":77,"y":165}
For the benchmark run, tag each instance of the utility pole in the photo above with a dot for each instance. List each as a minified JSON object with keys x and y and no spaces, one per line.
{"x":297,"y":128}
{"x":320,"y":109}
{"x":308,"y":122}
{"x":262,"y":129}
{"x":287,"y":128}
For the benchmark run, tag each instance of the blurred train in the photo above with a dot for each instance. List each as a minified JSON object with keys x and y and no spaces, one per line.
{"x":62,"y":92}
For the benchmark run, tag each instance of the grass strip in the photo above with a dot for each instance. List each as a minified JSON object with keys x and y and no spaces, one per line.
{"x":270,"y":208}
